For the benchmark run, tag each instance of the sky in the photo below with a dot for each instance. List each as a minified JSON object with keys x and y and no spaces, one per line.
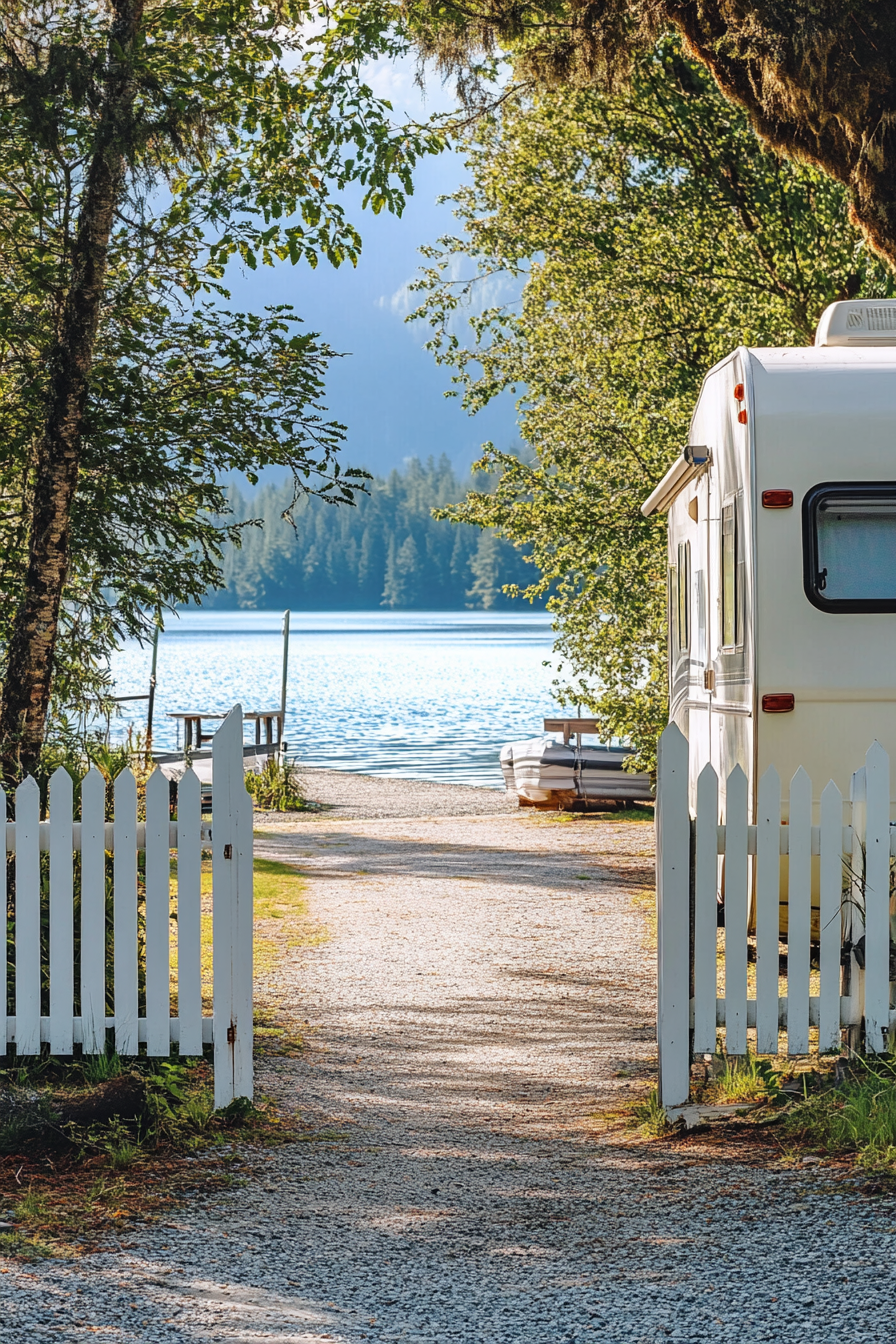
{"x":388,"y":391}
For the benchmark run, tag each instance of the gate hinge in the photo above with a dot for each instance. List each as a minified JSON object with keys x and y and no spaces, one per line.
{"x":231,"y":1035}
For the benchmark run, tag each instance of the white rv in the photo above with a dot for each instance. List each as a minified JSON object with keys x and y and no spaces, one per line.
{"x":782,"y":556}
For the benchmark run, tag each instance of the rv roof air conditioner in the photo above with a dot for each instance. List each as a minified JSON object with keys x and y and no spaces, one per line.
{"x":858,"y":322}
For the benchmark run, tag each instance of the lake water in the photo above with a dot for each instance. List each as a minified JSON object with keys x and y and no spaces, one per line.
{"x":426,"y":695}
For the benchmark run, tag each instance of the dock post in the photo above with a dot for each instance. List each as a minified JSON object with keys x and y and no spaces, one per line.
{"x":152,"y":687}
{"x":283,"y":680}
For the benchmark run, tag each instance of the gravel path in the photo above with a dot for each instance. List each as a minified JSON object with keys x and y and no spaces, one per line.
{"x":485,"y":989}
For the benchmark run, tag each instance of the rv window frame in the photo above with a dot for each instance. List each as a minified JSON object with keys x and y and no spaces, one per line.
{"x":733,"y":503}
{"x":684,"y":591}
{"x":672,"y":589}
{"x":811,"y":501}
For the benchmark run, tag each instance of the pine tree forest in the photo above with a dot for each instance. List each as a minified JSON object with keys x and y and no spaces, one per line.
{"x":387,"y":551}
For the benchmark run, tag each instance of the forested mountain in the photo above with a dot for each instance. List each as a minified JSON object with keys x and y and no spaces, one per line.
{"x":388,"y":551}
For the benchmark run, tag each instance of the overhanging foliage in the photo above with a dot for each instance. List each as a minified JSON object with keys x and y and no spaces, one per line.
{"x":647,"y":235}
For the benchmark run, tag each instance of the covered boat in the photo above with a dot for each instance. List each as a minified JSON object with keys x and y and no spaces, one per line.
{"x":565,"y":775}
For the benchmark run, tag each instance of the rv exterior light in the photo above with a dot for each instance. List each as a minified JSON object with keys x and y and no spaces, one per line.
{"x":779,"y":703}
{"x":777,"y":499}
{"x":697,"y":456}
{"x":739,"y":392}
{"x":741,"y":417}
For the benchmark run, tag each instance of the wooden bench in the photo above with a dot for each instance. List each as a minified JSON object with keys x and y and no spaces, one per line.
{"x":193,"y":732}
{"x":570,"y":727}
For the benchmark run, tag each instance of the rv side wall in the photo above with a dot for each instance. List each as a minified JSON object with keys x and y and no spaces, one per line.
{"x":820,"y":416}
{"x":711,"y":585}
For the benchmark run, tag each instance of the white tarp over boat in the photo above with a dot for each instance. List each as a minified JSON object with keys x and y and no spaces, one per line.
{"x":546,"y":773}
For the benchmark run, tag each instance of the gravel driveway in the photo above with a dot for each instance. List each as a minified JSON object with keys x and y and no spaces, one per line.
{"x":485,"y":990}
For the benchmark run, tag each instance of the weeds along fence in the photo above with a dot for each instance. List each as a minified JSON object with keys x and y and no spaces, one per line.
{"x":89,"y":912}
{"x":803,"y":940}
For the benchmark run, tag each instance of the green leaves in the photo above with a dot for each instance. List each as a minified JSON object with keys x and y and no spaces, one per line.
{"x":245,"y":126}
{"x":613,"y":248}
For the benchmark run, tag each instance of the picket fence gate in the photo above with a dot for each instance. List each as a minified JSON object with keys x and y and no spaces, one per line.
{"x":855,"y":920}
{"x":228,"y":836}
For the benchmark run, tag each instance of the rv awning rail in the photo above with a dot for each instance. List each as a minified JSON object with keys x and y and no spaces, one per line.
{"x":693,"y":460}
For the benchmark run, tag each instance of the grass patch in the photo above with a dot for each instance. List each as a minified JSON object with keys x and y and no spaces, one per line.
{"x":644,"y":901}
{"x":274,"y":1036}
{"x":625,"y":814}
{"x":650,"y":1118}
{"x":852,"y":1113}
{"x":741,"y":1080}
{"x":283,"y":922}
{"x":79,"y":1158}
{"x":280,"y":894}
{"x":846,"y":1110}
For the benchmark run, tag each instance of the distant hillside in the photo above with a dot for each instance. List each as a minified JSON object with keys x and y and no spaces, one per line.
{"x":388,"y":551}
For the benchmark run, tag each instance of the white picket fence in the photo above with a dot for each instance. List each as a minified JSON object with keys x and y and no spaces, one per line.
{"x":851,"y":867}
{"x":228,"y":836}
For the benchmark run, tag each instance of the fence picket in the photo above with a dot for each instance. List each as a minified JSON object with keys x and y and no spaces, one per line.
{"x":855,"y":901}
{"x":189,"y":917}
{"x":706,"y":883}
{"x":231,"y":917}
{"x":125,"y":914}
{"x":4,"y":950}
{"x":244,"y":927}
{"x":877,"y":898}
{"x":673,"y":828}
{"x":736,"y":913}
{"x":62,"y":942}
{"x":158,"y":917}
{"x":27,"y":916}
{"x":799,"y":913}
{"x":93,"y":913}
{"x":830,"y":890}
{"x":768,"y":895}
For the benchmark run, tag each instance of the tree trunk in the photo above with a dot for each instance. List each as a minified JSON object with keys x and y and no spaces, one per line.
{"x":28,"y":676}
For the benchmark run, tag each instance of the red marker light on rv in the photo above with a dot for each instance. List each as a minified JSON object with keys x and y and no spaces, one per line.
{"x":777,"y":499}
{"x":779,"y":703}
{"x":739,"y":392}
{"x":741,"y":417}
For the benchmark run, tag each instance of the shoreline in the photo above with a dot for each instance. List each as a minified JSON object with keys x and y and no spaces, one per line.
{"x":346,"y":795}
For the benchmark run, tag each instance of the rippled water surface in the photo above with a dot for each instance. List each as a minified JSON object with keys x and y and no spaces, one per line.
{"x":428,"y":695}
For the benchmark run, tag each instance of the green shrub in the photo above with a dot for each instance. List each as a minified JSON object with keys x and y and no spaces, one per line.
{"x":96,"y":1105}
{"x":276,"y":788}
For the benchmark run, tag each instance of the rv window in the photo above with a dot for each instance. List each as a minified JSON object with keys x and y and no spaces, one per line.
{"x":673,"y":608}
{"x":701,"y":617}
{"x":684,"y":584}
{"x":729,"y":576}
{"x":849,"y":542}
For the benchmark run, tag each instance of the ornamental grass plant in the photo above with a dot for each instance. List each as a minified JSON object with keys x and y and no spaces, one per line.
{"x":856,"y":1115}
